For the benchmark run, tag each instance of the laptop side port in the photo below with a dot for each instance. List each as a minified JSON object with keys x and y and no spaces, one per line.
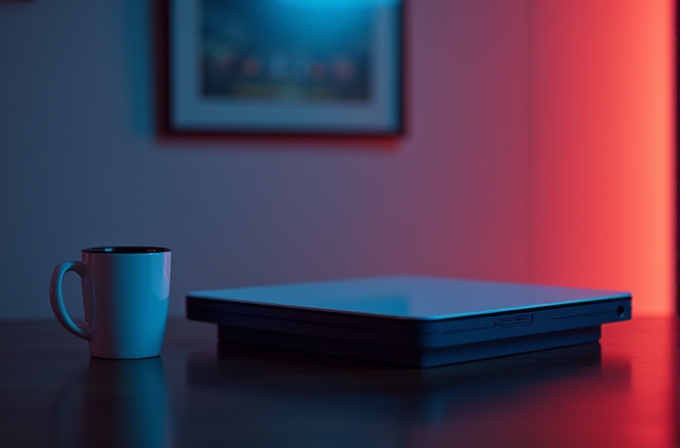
{"x":514,"y":321}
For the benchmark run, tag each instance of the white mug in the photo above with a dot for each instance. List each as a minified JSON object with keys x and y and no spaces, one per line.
{"x":125,"y":300}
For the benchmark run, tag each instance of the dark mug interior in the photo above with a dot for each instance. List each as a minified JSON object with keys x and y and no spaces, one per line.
{"x":126,"y":250}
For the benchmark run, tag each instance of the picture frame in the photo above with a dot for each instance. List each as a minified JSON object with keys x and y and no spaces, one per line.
{"x":298,"y":67}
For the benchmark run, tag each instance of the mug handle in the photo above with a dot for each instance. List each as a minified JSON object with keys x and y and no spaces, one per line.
{"x":57,"y":299}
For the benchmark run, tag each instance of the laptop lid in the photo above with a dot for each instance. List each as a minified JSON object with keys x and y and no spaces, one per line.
{"x":412,"y":298}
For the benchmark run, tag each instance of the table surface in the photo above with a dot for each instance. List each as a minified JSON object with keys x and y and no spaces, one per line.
{"x":622,"y":392}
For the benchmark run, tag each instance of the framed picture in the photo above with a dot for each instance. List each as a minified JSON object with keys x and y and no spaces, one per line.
{"x":285,"y":66}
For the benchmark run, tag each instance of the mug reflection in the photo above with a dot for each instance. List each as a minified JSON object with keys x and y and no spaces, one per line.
{"x":116,"y":404}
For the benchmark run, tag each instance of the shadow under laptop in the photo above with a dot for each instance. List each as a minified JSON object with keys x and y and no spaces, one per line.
{"x":311,"y":399}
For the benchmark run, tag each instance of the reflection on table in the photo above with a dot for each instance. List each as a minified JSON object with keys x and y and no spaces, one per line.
{"x":622,"y":392}
{"x":116,"y":403}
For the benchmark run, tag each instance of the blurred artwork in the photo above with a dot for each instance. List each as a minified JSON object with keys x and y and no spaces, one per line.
{"x":284,"y":51}
{"x":257,"y":67}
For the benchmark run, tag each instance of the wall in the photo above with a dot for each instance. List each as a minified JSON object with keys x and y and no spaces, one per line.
{"x":459,"y":195}
{"x":80,"y":165}
{"x":603,"y":147}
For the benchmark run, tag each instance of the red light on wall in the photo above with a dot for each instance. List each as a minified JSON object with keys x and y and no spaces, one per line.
{"x":603,"y":201}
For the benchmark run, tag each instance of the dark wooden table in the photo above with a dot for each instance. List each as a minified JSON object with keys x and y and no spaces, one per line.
{"x":623,"y":392}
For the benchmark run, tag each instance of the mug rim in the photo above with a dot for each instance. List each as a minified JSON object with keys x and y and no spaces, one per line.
{"x":125,"y":250}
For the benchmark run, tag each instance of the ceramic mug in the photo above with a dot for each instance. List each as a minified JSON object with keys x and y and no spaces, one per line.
{"x":125,"y":300}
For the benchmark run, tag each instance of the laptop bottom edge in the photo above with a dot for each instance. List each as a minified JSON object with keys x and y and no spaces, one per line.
{"x":410,"y":356}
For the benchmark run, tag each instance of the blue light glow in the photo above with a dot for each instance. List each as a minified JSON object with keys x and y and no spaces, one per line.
{"x":339,"y":4}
